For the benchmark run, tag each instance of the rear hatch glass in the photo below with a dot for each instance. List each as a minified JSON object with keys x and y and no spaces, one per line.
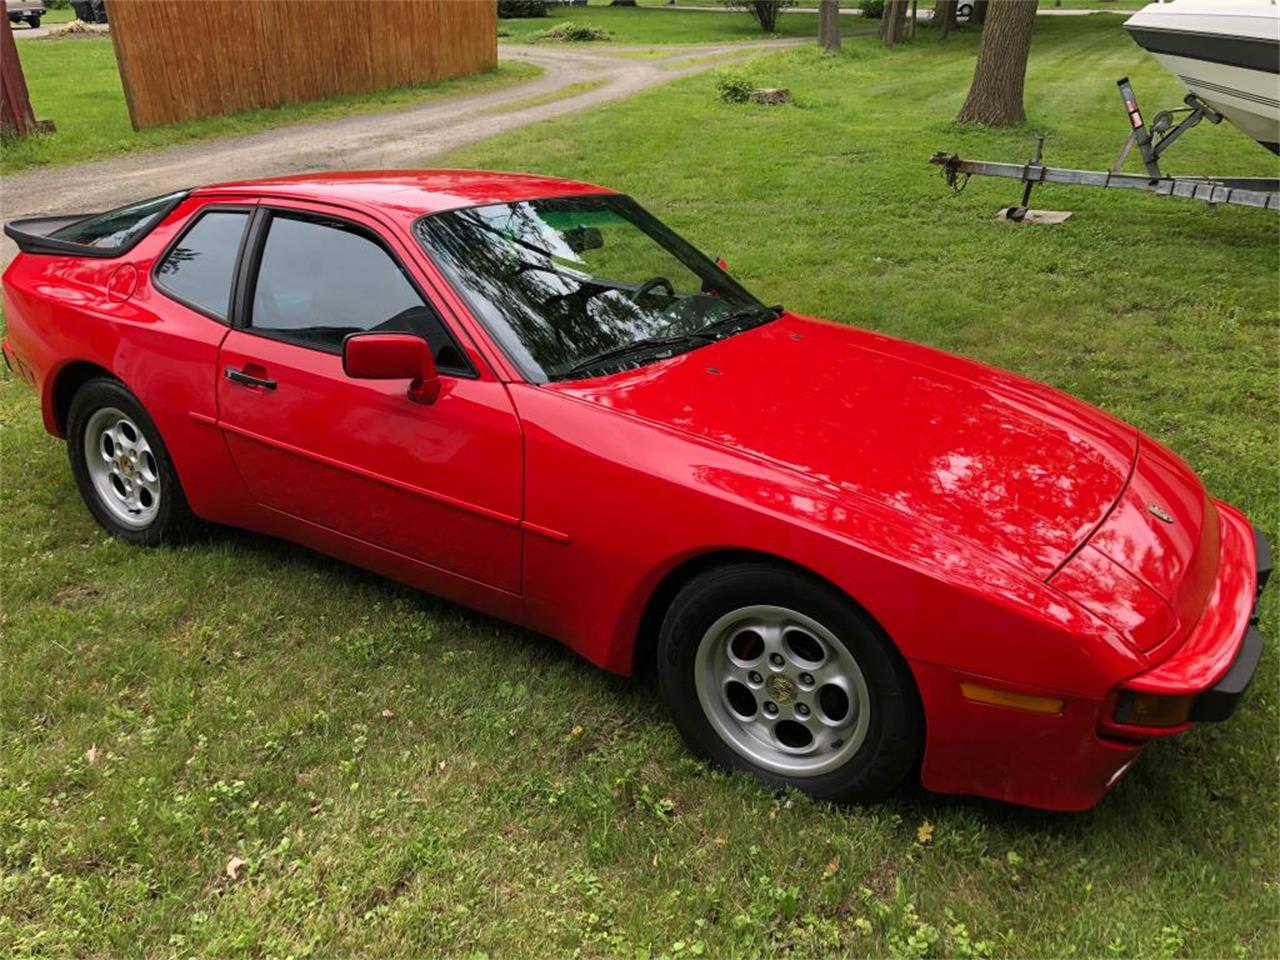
{"x":121,"y":227}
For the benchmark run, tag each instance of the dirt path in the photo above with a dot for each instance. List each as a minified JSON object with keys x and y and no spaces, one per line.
{"x":401,"y":138}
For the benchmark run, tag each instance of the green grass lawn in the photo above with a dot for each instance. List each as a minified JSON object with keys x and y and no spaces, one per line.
{"x":405,"y":778}
{"x":647,"y":25}
{"x":76,"y":84}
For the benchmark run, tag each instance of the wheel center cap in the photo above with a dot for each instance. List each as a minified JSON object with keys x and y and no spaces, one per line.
{"x":781,"y":689}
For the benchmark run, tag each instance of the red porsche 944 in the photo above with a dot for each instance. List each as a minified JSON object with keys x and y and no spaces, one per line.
{"x":847,"y":557}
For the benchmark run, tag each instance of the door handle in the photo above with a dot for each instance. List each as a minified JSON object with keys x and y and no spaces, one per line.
{"x":246,"y":379}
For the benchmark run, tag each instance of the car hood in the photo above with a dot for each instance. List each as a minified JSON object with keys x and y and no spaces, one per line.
{"x":992,"y":459}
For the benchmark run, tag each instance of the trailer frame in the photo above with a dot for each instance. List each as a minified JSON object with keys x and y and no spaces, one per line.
{"x":1151,"y":142}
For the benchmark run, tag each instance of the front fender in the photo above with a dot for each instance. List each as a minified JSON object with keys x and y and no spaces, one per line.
{"x":636,"y":501}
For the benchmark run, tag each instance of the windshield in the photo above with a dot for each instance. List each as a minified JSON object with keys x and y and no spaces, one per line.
{"x":579,"y":286}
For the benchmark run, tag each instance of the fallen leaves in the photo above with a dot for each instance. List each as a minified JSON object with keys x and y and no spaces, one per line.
{"x":92,"y":755}
{"x":233,"y":868}
{"x":833,"y":865}
{"x":924,"y":832}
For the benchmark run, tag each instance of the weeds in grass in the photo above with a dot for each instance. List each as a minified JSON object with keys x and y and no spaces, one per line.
{"x":733,"y":87}
{"x":571,"y":33}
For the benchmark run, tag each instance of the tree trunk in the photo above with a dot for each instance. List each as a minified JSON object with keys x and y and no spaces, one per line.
{"x":979,"y":15}
{"x":893,"y":21}
{"x":766,"y":14}
{"x":829,"y":25}
{"x":944,"y":16}
{"x":915,"y":16}
{"x":16,"y":118}
{"x":995,"y":97}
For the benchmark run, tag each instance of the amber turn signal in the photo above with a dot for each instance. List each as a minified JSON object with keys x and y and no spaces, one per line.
{"x":1016,"y":701}
{"x":1151,"y":710}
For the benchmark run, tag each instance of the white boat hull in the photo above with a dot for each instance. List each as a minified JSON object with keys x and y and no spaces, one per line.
{"x":1245,"y":97}
{"x":1227,"y":52}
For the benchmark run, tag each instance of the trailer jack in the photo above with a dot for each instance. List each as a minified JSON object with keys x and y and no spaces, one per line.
{"x":1151,"y":142}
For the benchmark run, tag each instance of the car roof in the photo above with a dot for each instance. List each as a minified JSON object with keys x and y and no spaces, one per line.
{"x":408,"y":193}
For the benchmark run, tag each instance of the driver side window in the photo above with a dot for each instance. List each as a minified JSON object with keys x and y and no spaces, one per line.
{"x":322,"y":279}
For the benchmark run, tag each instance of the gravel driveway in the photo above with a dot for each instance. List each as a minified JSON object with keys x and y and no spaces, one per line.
{"x":401,"y":138}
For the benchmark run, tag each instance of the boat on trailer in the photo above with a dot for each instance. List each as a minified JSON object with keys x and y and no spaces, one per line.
{"x":1226,"y":52}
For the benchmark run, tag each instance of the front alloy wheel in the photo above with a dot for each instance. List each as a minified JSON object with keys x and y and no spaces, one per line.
{"x":766,"y":669}
{"x":782,"y":691}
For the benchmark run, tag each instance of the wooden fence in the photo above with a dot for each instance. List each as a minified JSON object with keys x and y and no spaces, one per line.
{"x":181,"y":59}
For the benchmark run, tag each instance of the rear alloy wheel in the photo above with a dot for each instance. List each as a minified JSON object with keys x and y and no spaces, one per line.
{"x":767,"y":670}
{"x":121,"y":466}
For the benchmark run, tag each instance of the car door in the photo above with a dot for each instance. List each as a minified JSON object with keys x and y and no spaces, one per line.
{"x":439,"y":483}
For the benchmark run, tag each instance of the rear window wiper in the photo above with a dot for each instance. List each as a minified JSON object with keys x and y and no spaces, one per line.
{"x":638,"y":346}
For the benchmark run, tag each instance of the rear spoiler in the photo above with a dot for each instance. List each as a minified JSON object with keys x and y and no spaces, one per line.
{"x":32,"y":236}
{"x":130,"y":223}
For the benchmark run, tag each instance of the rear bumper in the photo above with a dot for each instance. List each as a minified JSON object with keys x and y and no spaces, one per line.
{"x":1070,"y":760}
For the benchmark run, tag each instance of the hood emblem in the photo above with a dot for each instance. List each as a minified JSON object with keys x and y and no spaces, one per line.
{"x":1160,"y":513}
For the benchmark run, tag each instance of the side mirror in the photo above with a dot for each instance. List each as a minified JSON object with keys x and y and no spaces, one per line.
{"x":392,"y":356}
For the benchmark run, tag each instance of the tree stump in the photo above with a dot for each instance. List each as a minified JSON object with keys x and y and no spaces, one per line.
{"x":772,"y":96}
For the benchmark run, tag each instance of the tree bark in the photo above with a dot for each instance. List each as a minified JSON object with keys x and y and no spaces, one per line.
{"x":16,"y":116}
{"x":995,"y":96}
{"x":829,"y":25}
{"x":893,"y":21}
{"x":915,"y":16}
{"x":944,"y":16}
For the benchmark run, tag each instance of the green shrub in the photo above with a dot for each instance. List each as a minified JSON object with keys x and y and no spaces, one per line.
{"x":570,"y":32}
{"x":509,"y":9}
{"x":872,"y":9}
{"x":733,"y":87}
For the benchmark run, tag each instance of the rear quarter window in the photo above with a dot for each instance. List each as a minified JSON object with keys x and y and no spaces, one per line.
{"x":199,"y":268}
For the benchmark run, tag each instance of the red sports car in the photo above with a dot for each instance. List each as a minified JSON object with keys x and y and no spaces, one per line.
{"x":847,"y":557}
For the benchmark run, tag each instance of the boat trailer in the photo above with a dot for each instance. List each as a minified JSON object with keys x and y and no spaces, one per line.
{"x":1151,"y":141}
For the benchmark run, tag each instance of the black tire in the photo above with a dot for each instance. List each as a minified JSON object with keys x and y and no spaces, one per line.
{"x":173,"y":520}
{"x":894,"y":735}
{"x":33,"y":23}
{"x":964,"y":10}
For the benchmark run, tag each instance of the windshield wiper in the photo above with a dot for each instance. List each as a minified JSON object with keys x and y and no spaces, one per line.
{"x":637,"y":346}
{"x":737,"y":318}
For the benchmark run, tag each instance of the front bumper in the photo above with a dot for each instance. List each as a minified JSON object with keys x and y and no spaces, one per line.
{"x":1069,"y":761}
{"x":1219,"y":701}
{"x":1215,"y":673}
